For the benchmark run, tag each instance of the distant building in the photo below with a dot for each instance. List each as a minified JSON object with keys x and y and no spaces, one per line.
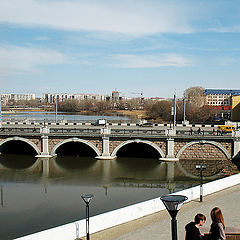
{"x":116,"y":96}
{"x":17,"y":97}
{"x":5,"y":98}
{"x":26,"y":96}
{"x":235,"y":114}
{"x":60,"y":97}
{"x":219,"y":97}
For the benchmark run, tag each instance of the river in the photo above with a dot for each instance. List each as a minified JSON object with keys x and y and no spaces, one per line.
{"x":39,"y":194}
{"x":52,"y":116}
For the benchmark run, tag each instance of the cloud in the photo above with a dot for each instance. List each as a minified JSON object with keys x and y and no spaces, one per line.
{"x":15,"y":59}
{"x":42,"y":38}
{"x":148,"y":61}
{"x":125,"y":17}
{"x":234,"y":28}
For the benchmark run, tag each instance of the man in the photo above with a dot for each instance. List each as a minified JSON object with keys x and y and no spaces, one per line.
{"x":192,"y":228}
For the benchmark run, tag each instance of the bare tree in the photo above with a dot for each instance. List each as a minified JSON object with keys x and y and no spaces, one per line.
{"x":102,"y":106}
{"x":195,"y":96}
{"x":69,"y":106}
{"x":160,"y":111}
{"x":133,"y":103}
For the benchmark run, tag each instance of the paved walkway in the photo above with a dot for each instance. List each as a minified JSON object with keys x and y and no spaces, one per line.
{"x":158,"y":225}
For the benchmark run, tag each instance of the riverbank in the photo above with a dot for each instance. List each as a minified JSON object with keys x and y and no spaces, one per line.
{"x":25,"y":110}
{"x":139,"y":114}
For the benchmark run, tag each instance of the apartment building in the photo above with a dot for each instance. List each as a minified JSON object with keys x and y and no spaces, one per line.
{"x":219,"y":97}
{"x":6,"y":97}
{"x":60,"y":97}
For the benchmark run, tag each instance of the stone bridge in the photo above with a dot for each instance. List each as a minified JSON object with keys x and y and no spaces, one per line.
{"x":106,"y":145}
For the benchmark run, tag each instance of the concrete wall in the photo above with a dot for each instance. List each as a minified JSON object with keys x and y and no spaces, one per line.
{"x":122,"y":215}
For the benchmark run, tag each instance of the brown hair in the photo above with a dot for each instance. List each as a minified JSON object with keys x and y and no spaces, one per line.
{"x":217,"y":216}
{"x":199,"y":217}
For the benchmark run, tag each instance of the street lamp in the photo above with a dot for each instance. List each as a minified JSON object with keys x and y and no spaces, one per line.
{"x":173,"y":204}
{"x":200,"y":168}
{"x":87,"y":198}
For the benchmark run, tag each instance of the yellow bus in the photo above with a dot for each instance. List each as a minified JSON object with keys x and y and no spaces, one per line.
{"x":225,"y":128}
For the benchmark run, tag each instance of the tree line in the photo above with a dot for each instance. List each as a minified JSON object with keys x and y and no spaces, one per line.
{"x":160,"y":111}
{"x":195,"y":108}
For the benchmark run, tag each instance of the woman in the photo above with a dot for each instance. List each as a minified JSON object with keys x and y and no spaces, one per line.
{"x":217,"y":230}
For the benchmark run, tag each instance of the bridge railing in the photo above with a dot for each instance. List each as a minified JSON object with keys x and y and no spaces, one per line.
{"x":138,"y":131}
{"x":114,"y":131}
{"x":203,"y":133}
{"x":19,"y":130}
{"x":123,"y":131}
{"x":75,"y":130}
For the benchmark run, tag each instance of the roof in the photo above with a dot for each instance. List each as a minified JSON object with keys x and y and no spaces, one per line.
{"x":222,"y":91}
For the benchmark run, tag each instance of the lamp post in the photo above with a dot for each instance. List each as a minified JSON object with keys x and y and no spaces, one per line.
{"x":200,"y":168}
{"x":173,"y":204}
{"x":87,"y":198}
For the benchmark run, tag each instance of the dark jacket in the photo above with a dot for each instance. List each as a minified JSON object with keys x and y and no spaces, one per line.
{"x":217,"y":231}
{"x":192,"y":232}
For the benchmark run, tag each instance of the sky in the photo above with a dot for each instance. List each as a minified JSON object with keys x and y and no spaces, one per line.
{"x":156,"y":47}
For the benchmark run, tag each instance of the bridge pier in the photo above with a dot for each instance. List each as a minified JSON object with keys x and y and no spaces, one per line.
{"x":170,"y":147}
{"x":105,"y":145}
{"x":44,"y":143}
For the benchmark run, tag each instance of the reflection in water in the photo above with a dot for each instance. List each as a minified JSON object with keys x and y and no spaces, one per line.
{"x":2,"y":202}
{"x":137,"y":163}
{"x":75,"y":163}
{"x":138,"y":170}
{"x":14,"y":161}
{"x":32,"y":190}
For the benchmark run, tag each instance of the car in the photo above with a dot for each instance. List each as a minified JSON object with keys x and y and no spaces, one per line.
{"x":147,"y":124}
{"x":100,"y":122}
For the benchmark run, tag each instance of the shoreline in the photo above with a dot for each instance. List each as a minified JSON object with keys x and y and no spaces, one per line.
{"x":139,"y":113}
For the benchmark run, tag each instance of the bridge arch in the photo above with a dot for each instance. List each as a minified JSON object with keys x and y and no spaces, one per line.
{"x":216,"y":144}
{"x":156,"y":147}
{"x":190,"y":175}
{"x":16,"y":138}
{"x":53,"y":153}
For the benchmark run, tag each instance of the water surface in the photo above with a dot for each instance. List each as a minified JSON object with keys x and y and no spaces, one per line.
{"x":39,"y":194}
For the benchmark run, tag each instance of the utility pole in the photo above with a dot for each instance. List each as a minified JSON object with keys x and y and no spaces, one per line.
{"x":174,"y":111}
{"x":56,"y":109}
{"x":184,"y":109}
{"x":141,"y":101}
